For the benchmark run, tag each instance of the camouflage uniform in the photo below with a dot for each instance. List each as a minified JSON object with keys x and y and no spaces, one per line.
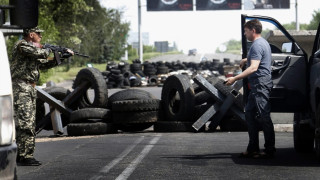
{"x":26,"y":61}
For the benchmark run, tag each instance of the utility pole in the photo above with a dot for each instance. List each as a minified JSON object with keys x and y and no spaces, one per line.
{"x":297,"y":21}
{"x":140,"y":33}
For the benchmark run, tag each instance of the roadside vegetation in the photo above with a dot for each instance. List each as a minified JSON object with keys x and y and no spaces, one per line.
{"x":234,"y":46}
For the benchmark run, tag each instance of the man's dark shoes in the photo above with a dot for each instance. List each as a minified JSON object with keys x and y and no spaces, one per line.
{"x":264,"y":155}
{"x":247,"y":154}
{"x":28,"y":162}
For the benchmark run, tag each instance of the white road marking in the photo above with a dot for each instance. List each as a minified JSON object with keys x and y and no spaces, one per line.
{"x":108,"y":167}
{"x":132,"y":166}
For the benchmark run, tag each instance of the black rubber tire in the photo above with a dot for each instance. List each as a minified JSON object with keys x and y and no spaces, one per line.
{"x":97,"y":83}
{"x":162,"y":70}
{"x":303,"y":135}
{"x":57,"y":92}
{"x":83,"y":129}
{"x":136,"y":105}
{"x":135,"y":117}
{"x":224,"y":89}
{"x":129,"y":94}
{"x":153,"y":80}
{"x":178,"y":98}
{"x":203,"y":97}
{"x":90,"y":113}
{"x":174,"y":126}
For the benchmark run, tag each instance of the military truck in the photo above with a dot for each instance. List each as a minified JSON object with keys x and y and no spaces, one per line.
{"x":296,"y":80}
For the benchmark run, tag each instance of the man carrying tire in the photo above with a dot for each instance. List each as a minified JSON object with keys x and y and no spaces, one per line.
{"x":28,"y":57}
{"x":257,"y":109}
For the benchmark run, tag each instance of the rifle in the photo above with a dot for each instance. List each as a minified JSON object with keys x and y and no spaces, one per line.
{"x":62,"y":52}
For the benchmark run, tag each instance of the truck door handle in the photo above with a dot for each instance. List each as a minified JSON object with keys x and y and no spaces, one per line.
{"x":286,"y":63}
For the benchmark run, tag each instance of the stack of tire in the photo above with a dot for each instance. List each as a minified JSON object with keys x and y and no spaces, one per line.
{"x":162,"y":68}
{"x":177,"y":112}
{"x":115,"y":79}
{"x":92,"y":117}
{"x":133,"y":109}
{"x":150,"y":71}
{"x":182,"y":104}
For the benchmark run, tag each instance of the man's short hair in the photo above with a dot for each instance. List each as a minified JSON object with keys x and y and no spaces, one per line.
{"x":254,"y":24}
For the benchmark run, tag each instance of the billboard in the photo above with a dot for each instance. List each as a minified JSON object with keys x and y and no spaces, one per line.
{"x":218,"y":5}
{"x":169,"y":5}
{"x":266,"y":4}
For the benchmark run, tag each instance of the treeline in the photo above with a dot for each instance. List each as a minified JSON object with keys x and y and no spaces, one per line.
{"x":82,"y":25}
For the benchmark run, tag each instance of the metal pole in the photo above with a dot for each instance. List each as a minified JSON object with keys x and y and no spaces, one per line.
{"x":297,"y":21}
{"x":140,"y":33}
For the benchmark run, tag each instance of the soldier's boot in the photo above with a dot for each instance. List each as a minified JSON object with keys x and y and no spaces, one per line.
{"x":28,"y":162}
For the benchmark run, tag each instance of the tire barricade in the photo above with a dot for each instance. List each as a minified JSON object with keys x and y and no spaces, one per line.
{"x":132,"y":110}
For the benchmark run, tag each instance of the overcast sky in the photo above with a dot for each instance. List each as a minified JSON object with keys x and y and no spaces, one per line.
{"x":204,"y":30}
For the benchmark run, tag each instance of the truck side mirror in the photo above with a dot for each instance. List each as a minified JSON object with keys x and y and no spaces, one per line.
{"x":25,"y":13}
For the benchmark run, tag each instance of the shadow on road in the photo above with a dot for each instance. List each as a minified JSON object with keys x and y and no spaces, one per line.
{"x":283,"y":157}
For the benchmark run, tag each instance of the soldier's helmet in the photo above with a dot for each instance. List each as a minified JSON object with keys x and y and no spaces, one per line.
{"x":34,"y":29}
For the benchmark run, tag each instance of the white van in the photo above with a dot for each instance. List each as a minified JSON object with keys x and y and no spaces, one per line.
{"x":8,"y":146}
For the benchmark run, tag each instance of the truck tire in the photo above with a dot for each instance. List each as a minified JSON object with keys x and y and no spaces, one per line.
{"x":134,"y":117}
{"x":178,"y":98}
{"x":129,"y":94}
{"x":90,"y":113}
{"x":303,"y":135}
{"x":136,"y":105}
{"x":97,"y":83}
{"x":226,"y":91}
{"x":83,"y":129}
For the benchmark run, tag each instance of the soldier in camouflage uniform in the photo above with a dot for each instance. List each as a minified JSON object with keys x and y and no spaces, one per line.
{"x":27,"y":58}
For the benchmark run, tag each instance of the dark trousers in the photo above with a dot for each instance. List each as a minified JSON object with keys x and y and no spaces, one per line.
{"x":258,"y":115}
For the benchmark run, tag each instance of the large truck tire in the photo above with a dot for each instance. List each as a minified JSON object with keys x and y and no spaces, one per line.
{"x":136,"y":105}
{"x":178,"y":98}
{"x":90,"y":114}
{"x":97,"y":84}
{"x":129,"y":94}
{"x":134,"y":117}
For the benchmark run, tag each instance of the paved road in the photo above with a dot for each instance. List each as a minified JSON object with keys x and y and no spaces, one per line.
{"x":150,"y":155}
{"x":197,"y":58}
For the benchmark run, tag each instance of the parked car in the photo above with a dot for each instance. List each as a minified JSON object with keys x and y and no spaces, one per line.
{"x":296,"y":81}
{"x":8,"y":147}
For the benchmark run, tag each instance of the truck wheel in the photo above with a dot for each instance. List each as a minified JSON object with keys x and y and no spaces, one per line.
{"x":136,"y":105}
{"x":303,"y":134}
